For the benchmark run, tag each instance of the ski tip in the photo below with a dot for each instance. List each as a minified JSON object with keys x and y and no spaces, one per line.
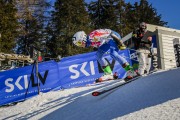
{"x":95,"y":93}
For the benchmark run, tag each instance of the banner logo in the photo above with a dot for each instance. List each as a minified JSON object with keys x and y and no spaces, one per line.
{"x":11,"y":85}
{"x":76,"y":73}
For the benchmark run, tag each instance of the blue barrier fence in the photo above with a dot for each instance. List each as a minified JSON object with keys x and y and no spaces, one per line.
{"x":74,"y":71}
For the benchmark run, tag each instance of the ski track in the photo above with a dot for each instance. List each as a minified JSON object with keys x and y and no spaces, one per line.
{"x":155,"y":97}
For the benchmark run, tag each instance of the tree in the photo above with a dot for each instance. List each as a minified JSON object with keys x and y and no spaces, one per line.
{"x":142,"y":11}
{"x":8,"y":25}
{"x":122,"y":17}
{"x":32,"y":19}
{"x":68,"y":17}
{"x":103,"y":13}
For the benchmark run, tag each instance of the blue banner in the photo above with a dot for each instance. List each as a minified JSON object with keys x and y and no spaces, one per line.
{"x":84,"y":69}
{"x":134,"y":59}
{"x":79,"y":70}
{"x":21,"y":83}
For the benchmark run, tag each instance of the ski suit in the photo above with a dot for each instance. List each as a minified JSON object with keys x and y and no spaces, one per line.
{"x":102,"y":40}
{"x":143,"y":47}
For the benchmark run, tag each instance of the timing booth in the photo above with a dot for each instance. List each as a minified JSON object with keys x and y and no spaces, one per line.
{"x":168,"y":42}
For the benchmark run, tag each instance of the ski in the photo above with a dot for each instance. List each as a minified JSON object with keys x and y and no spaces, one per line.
{"x":98,"y":93}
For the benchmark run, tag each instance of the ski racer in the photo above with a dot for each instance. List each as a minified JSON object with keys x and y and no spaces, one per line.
{"x":104,"y":40}
{"x":143,"y":46}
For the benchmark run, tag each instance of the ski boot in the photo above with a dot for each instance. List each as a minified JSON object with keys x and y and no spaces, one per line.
{"x":130,"y":73}
{"x":107,"y":77}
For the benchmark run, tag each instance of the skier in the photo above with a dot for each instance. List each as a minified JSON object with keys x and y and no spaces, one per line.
{"x":104,"y":40}
{"x":143,"y":46}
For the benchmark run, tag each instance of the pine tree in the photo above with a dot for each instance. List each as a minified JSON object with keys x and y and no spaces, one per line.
{"x":32,"y":18}
{"x":8,"y":25}
{"x":67,"y":18}
{"x":103,"y":13}
{"x":121,"y":17}
{"x":142,"y":12}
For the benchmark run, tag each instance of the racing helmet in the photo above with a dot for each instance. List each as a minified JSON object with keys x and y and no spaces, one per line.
{"x":80,"y":39}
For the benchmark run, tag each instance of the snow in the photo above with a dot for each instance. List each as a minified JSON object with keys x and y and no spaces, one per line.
{"x":153,"y":97}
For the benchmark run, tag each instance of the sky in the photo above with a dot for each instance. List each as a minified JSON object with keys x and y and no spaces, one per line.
{"x":169,"y":9}
{"x":152,"y":97}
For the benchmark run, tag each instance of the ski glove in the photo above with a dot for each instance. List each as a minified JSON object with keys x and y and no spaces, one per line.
{"x":149,"y":55}
{"x":122,"y":47}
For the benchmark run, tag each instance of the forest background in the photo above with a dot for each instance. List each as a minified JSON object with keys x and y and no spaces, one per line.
{"x":50,"y":24}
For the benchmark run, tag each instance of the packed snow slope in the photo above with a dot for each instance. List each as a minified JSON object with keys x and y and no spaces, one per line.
{"x":153,"y":97}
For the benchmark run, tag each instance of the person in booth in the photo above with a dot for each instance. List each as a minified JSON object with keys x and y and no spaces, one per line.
{"x":142,"y":43}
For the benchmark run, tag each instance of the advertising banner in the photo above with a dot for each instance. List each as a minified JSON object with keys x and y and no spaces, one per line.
{"x":21,"y":83}
{"x":84,"y":69}
{"x":74,"y":71}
